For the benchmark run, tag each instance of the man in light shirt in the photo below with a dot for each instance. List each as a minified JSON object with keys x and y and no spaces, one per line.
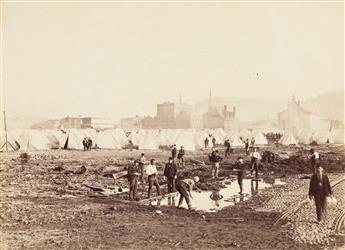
{"x":152,"y":172}
{"x":184,"y":187}
{"x":255,"y":161}
{"x":142,"y":162}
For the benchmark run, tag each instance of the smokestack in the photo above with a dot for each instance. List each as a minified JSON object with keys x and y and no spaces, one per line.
{"x":234,"y":111}
{"x":225,"y":110}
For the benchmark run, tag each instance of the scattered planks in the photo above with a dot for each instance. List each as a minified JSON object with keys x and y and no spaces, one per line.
{"x":200,"y":163}
{"x":119,"y":174}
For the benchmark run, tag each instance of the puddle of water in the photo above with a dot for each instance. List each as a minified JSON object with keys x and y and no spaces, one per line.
{"x":212,"y":201}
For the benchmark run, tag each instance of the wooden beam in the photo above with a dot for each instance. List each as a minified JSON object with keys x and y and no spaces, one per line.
{"x":119,"y":174}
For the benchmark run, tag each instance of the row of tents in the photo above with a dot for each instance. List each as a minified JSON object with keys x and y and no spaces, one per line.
{"x":309,"y":137}
{"x":28,"y":140}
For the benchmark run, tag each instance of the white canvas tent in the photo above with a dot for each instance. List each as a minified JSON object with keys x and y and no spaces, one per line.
{"x":324,"y":136}
{"x":74,"y":139}
{"x":288,"y":139}
{"x":235,"y":141}
{"x":338,"y":136}
{"x":36,"y":140}
{"x":135,"y":137}
{"x":120,"y":136}
{"x":54,"y":137}
{"x":148,"y":142}
{"x":105,"y":140}
{"x":187,"y":140}
{"x":245,"y":134}
{"x":200,"y":137}
{"x":163,"y":139}
{"x":260,"y":139}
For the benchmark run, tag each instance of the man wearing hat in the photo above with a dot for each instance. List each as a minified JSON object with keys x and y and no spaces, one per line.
{"x":180,"y":156}
{"x":170,"y":171}
{"x":216,"y":160}
{"x":184,"y":187}
{"x":173,"y":152}
{"x":132,"y":176}
{"x":240,"y":173}
{"x":255,"y":162}
{"x":319,"y":190}
{"x":152,"y":172}
{"x":314,"y":160}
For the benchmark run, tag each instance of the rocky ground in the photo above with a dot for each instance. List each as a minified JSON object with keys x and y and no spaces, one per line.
{"x":45,"y":205}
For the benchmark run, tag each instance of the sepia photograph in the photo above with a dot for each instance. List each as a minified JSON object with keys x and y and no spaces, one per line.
{"x":171,"y":124}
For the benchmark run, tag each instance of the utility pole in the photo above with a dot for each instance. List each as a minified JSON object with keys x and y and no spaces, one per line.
{"x":5,"y":131}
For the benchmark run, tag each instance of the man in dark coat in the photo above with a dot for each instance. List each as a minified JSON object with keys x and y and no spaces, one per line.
{"x":319,"y":189}
{"x":314,"y":160}
{"x":132,"y":176}
{"x":214,"y":141}
{"x":85,"y":144}
{"x":246,"y":145}
{"x":240,"y":173}
{"x":180,"y":156}
{"x":228,"y":148}
{"x":216,"y":160}
{"x":174,"y":152}
{"x":170,"y":171}
{"x":206,"y":141}
{"x":89,"y":143}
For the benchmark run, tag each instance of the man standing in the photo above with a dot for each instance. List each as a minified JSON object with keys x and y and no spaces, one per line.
{"x":184,"y":187}
{"x":206,"y":141}
{"x":314,"y":160}
{"x":240,"y":173}
{"x":142,"y":162}
{"x":173,"y":152}
{"x":85,"y":144}
{"x":132,"y":176}
{"x":170,"y":171}
{"x":214,"y":141}
{"x":246,"y":145}
{"x":319,"y":189}
{"x":180,"y":156}
{"x":252,"y":142}
{"x":216,"y":159}
{"x":228,"y":148}
{"x":255,"y":162}
{"x":89,"y":143}
{"x":152,"y":172}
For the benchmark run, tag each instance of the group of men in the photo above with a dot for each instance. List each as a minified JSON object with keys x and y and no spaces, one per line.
{"x":216,"y":159}
{"x":135,"y":175}
{"x":319,"y":188}
{"x":87,"y":144}
{"x":207,"y":142}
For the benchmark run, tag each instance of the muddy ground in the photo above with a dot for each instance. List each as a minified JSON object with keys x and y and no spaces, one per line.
{"x":46,"y":205}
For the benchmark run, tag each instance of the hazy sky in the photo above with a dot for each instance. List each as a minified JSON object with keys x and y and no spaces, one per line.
{"x":116,"y":59}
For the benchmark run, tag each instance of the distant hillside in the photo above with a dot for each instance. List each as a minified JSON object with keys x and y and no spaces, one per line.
{"x":247,"y":109}
{"x":329,"y":105}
